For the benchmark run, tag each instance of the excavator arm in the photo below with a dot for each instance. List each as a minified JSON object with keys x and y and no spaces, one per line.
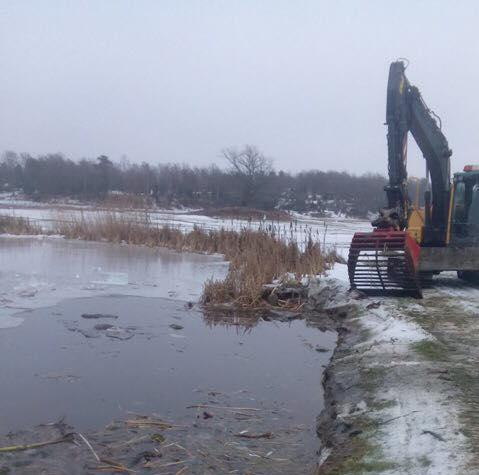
{"x":407,"y":112}
{"x":433,"y":145}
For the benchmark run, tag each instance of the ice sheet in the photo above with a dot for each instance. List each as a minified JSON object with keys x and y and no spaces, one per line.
{"x":41,"y":272}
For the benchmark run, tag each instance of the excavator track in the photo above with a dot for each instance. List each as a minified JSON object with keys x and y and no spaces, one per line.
{"x":384,"y":262}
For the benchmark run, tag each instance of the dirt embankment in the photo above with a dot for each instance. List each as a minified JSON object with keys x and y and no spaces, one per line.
{"x":388,"y":406}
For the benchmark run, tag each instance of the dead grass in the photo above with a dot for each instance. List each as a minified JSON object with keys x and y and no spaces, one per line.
{"x":126,"y":201}
{"x":16,"y":225}
{"x":258,"y":260}
{"x":256,"y":257}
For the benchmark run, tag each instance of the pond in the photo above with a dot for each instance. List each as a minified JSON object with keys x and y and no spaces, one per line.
{"x":115,"y":356}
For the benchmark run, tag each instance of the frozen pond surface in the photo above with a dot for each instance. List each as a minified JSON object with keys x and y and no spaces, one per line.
{"x":37,"y":272}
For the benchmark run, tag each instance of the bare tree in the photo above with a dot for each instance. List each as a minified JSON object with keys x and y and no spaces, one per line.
{"x":251,"y":166}
{"x":249,"y":161}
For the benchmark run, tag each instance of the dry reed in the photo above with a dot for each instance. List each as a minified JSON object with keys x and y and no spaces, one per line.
{"x":256,"y":257}
{"x":126,"y":201}
{"x":17,"y":225}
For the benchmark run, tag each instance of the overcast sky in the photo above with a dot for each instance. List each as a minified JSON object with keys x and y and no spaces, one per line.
{"x":164,"y":81}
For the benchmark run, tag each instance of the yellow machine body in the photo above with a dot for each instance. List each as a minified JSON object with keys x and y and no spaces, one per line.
{"x":416,"y":220}
{"x":415,"y":224}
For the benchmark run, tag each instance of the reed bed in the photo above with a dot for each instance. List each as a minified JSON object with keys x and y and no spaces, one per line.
{"x":256,"y":256}
{"x":17,"y":225}
{"x":261,"y":259}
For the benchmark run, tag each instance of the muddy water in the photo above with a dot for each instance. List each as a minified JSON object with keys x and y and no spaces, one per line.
{"x":154,"y":356}
{"x":57,"y":364}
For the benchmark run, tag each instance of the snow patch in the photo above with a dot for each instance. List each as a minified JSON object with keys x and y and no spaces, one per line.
{"x":7,"y":320}
{"x":423,"y":423}
{"x":413,"y":414}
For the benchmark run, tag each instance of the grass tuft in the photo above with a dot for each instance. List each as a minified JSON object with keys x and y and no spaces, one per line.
{"x":431,"y":350}
{"x":363,"y":458}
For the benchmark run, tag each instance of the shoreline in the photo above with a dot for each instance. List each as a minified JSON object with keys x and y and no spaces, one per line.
{"x":385,"y":403}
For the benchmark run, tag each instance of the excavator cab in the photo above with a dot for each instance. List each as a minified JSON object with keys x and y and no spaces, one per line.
{"x":464,"y":226}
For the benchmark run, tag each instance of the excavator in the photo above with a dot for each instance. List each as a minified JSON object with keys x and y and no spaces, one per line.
{"x":410,"y":244}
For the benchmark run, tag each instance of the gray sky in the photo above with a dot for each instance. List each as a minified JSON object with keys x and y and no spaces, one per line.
{"x":178,"y":80}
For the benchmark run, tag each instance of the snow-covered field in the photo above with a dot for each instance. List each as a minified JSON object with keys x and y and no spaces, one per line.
{"x":333,"y":232}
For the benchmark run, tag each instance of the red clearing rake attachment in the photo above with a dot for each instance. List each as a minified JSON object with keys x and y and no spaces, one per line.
{"x":384,"y":262}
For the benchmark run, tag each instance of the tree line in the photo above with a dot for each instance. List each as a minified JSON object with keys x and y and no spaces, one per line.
{"x":245,"y":178}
